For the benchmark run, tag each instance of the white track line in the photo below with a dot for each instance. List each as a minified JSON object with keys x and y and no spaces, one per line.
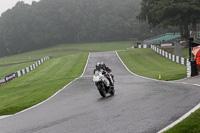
{"x":2,"y":117}
{"x":181,"y":118}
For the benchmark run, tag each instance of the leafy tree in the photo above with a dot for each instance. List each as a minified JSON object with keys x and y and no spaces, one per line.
{"x":166,"y":13}
{"x":50,"y":22}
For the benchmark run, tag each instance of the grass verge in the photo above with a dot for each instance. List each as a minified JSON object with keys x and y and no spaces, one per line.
{"x":188,"y":125}
{"x":147,"y":63}
{"x":36,"y":86}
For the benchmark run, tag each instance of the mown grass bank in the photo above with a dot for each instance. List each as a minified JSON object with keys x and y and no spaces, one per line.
{"x":67,"y":64}
{"x":38,"y":85}
{"x":63,"y":50}
{"x":147,"y":63}
{"x":56,"y":52}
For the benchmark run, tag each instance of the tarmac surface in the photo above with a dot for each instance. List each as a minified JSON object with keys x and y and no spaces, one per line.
{"x":140,"y":105}
{"x":192,"y":80}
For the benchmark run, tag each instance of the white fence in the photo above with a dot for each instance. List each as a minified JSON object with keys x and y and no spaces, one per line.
{"x":170,"y":56}
{"x":32,"y":67}
{"x":23,"y":71}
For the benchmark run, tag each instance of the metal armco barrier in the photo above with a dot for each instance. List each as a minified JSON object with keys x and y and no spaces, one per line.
{"x":23,"y":71}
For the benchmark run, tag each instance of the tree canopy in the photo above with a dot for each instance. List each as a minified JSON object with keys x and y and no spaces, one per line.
{"x":181,"y":13}
{"x":50,"y":22}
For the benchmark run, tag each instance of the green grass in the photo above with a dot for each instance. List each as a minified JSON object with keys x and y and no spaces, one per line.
{"x":51,"y":76}
{"x":186,"y":53}
{"x":92,"y":47}
{"x":188,"y":125}
{"x":38,"y":85}
{"x":56,"y":52}
{"x":63,"y":50}
{"x":147,"y":63}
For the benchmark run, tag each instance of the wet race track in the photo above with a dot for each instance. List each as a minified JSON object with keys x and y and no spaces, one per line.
{"x":139,"y":106}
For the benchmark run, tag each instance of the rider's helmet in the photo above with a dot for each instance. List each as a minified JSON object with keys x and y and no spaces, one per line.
{"x":98,"y":65}
{"x":103,"y":65}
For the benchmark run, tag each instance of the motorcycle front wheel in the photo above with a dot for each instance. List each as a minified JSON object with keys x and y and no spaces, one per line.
{"x":102,"y":90}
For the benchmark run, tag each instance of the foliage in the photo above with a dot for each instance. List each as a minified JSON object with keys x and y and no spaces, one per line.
{"x":51,"y":22}
{"x":165,"y":13}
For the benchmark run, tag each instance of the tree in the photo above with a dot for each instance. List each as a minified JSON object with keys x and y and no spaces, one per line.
{"x":51,"y":22}
{"x":171,"y":13}
{"x":13,"y":32}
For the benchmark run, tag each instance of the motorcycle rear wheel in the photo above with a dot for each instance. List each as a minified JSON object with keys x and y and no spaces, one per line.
{"x":112,"y":92}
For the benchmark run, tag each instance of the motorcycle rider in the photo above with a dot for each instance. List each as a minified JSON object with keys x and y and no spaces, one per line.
{"x":108,"y":70}
{"x":98,"y":67}
{"x":101,"y":65}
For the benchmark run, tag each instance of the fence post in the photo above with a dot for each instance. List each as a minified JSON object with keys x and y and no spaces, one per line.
{"x":188,"y":69}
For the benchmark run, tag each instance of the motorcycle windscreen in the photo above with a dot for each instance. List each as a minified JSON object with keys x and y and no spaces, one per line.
{"x":97,"y":76}
{"x":97,"y":73}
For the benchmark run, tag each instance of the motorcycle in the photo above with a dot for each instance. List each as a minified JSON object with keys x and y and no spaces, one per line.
{"x":102,"y":83}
